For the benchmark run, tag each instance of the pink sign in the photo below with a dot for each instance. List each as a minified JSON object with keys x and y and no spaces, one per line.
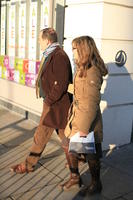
{"x":30,"y":79}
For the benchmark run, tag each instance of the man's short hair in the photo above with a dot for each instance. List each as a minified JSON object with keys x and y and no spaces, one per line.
{"x":50,"y":34}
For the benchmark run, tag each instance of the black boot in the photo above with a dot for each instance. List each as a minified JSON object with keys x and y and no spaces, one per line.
{"x":95,"y":185}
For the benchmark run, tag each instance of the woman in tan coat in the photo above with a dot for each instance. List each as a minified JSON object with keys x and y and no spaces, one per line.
{"x":85,"y":115}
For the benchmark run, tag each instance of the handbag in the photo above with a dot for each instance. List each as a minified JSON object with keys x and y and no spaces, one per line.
{"x":84,"y":145}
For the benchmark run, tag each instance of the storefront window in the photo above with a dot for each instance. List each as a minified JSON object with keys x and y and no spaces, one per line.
{"x":21,"y":21}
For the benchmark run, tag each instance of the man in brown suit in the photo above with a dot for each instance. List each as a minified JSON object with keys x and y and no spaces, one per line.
{"x":52,"y":82}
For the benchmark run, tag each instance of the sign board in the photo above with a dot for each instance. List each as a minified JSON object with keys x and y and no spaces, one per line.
{"x":12,"y":24}
{"x":44,"y":16}
{"x":33,"y":30}
{"x":3,"y":27}
{"x":22,"y":30}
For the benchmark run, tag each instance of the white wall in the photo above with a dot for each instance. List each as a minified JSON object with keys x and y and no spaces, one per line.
{"x":21,"y":96}
{"x":82,"y":18}
{"x":118,"y":35}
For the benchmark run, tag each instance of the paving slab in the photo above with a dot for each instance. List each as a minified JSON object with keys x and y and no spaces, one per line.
{"x":13,"y":157}
{"x":115,"y":183}
{"x":18,"y":184}
{"x":119,"y":198}
{"x":16,"y":136}
{"x":122,"y":159}
{"x":129,"y":196}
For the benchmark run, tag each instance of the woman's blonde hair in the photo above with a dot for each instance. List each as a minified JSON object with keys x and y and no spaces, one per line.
{"x":88,"y":55}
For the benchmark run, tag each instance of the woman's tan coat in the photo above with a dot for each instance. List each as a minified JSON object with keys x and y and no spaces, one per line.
{"x":85,"y":114}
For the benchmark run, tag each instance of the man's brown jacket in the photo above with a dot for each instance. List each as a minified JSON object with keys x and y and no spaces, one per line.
{"x":55,"y":78}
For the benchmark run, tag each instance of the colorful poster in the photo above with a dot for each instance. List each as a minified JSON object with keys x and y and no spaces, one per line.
{"x":33,"y":30}
{"x":44,"y":13}
{"x":44,"y":17}
{"x":3,"y":25}
{"x":22,"y":30}
{"x":12,"y":19}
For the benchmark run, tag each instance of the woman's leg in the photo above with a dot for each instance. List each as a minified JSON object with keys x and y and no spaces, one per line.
{"x":96,"y":185}
{"x":94,"y":167}
{"x":72,"y":160}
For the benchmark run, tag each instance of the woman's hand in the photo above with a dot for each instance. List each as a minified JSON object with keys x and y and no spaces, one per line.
{"x":82,"y":134}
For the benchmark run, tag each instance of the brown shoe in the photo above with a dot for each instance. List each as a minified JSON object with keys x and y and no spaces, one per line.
{"x":21,"y":168}
{"x":72,"y":183}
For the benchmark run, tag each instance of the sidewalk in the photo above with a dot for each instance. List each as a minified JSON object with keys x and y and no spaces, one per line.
{"x":16,"y":134}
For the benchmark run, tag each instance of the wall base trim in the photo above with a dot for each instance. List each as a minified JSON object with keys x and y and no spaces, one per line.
{"x":27,"y":114}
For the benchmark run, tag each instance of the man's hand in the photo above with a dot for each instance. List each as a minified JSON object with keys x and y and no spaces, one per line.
{"x":70,"y":88}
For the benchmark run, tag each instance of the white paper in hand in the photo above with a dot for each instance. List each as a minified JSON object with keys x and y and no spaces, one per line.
{"x":82,"y":144}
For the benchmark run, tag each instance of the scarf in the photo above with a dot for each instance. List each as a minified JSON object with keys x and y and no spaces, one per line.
{"x":46,"y":53}
{"x":50,"y":49}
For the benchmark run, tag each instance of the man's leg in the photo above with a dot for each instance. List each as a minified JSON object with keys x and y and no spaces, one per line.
{"x":41,"y":138}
